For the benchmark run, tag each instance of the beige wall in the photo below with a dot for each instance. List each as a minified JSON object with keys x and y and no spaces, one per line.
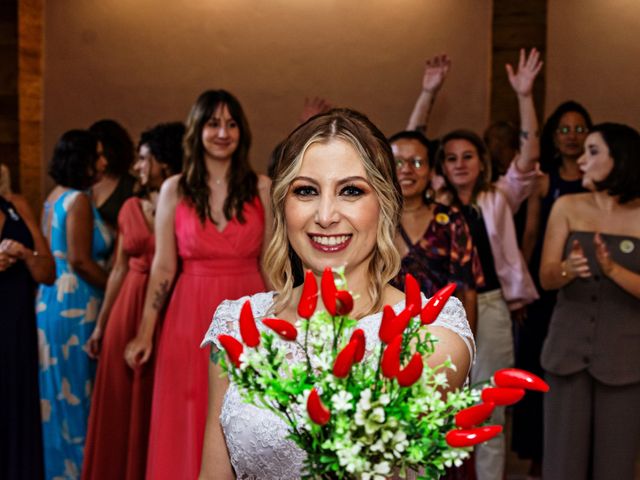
{"x":145,"y":61}
{"x":594,"y":57}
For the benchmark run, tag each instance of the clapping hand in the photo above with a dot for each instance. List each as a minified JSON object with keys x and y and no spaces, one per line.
{"x":528,"y":68}
{"x":576,"y":264}
{"x":10,"y":252}
{"x":435,"y":72}
{"x":603,"y":257}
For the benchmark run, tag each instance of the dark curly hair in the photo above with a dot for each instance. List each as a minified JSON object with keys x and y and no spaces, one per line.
{"x":117,"y":144}
{"x":74,"y":158}
{"x":242,"y":181}
{"x":549,"y":160}
{"x":165,"y":143}
{"x":624,"y":148}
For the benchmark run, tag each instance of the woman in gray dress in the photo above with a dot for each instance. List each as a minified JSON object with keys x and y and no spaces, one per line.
{"x":591,"y":357}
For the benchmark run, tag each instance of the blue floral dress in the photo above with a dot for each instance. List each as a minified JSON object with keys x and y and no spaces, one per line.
{"x":66,"y":313}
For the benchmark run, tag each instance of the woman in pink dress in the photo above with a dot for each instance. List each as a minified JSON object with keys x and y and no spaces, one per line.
{"x":213,"y":223}
{"x":121,"y":404}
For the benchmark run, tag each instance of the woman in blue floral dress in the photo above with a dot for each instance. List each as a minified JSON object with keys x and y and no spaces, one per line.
{"x":67,"y":311}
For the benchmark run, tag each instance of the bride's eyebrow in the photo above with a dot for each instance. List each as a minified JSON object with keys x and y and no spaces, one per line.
{"x":342,"y":181}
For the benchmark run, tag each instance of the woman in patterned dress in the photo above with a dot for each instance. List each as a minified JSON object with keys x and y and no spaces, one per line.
{"x":67,"y":311}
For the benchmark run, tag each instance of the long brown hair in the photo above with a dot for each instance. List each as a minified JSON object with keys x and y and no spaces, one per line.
{"x":242,"y":181}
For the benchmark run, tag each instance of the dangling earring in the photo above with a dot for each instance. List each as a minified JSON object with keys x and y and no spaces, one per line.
{"x":429,"y":195}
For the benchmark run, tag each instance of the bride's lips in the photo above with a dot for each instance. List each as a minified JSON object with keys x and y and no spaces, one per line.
{"x":329,"y":243}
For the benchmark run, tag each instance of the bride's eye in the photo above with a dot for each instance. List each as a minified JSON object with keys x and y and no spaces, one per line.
{"x":304,"y":191}
{"x":352,"y":191}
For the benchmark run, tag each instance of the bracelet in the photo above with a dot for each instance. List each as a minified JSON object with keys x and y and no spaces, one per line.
{"x":563,"y":269}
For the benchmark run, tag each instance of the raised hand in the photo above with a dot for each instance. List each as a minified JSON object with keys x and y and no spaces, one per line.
{"x":576,"y":264}
{"x":603,"y":257}
{"x":435,"y":72}
{"x":528,"y":69}
{"x":313,"y":106}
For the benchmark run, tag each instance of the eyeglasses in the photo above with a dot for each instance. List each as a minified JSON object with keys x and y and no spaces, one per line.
{"x":565,"y":130}
{"x":415,"y":162}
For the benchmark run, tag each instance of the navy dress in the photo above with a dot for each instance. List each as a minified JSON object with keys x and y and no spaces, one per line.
{"x":20,"y":428}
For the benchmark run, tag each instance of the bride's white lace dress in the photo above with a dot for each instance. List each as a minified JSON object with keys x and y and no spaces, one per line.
{"x":256,"y":438}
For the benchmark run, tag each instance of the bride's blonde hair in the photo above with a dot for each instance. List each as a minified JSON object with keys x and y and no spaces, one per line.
{"x":377,"y":159}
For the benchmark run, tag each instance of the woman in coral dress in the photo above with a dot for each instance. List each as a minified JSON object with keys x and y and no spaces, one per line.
{"x":121,"y":405}
{"x":212,"y":223}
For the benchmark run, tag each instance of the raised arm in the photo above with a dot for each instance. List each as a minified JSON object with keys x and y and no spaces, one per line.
{"x":435,"y":73}
{"x":80,"y":242}
{"x":522,"y":84}
{"x":114,"y":284}
{"x":163,"y":271}
{"x":312,"y":107}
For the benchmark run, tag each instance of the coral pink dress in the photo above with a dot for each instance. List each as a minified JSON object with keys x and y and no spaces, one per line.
{"x":214,"y":266}
{"x":120,"y":410}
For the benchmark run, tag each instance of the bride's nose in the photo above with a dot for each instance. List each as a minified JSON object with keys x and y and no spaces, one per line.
{"x":327,"y":212}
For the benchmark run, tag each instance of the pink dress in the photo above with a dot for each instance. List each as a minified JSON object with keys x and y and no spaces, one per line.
{"x":214,"y":266}
{"x":121,"y":403}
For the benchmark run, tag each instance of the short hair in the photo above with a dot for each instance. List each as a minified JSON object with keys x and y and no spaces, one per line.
{"x":165,"y":144}
{"x":483,"y":182}
{"x":419,"y":137}
{"x":74,"y":158}
{"x":624,"y":148}
{"x":549,"y":159}
{"x":117,"y":145}
{"x":374,"y":150}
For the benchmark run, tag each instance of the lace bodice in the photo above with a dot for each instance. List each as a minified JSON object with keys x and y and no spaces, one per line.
{"x":256,"y":438}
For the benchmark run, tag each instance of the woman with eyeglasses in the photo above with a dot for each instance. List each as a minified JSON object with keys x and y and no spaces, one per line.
{"x":433,"y":239}
{"x":562,"y":143}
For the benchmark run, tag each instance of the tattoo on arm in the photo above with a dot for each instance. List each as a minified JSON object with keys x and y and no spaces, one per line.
{"x":215,"y":355}
{"x":161,"y":295}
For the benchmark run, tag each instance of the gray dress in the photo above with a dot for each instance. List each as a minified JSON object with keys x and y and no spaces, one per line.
{"x":592,"y":362}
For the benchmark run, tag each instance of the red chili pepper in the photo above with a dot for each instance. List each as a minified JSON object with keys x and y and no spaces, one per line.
{"x":472,"y":436}
{"x":344,"y":360}
{"x":436,"y":303}
{"x":475,"y":415}
{"x":344,"y":302}
{"x":233,"y":348}
{"x":413,"y":299}
{"x":412,"y":372}
{"x":391,"y":324}
{"x":391,"y":358}
{"x":358,"y":337}
{"x":309,"y":297}
{"x":328,"y":290}
{"x":248,"y":329}
{"x":516,"y":378}
{"x":317,"y":411}
{"x":502,"y":396}
{"x":283,"y":328}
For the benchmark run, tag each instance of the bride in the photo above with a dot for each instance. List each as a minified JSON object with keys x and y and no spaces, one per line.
{"x":336,"y":202}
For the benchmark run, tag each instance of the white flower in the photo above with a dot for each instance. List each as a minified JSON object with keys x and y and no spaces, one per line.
{"x":384,"y":399}
{"x":383,"y":468}
{"x":342,"y":401}
{"x":440,"y":379}
{"x":364,"y":403}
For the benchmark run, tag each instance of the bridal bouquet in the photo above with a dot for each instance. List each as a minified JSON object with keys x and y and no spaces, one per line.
{"x":359,"y":414}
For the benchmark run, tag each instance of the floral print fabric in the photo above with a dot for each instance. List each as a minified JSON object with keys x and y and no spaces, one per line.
{"x":66,"y":315}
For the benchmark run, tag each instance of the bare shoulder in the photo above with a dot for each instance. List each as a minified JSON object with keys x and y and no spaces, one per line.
{"x":170,"y":187}
{"x":21,"y":204}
